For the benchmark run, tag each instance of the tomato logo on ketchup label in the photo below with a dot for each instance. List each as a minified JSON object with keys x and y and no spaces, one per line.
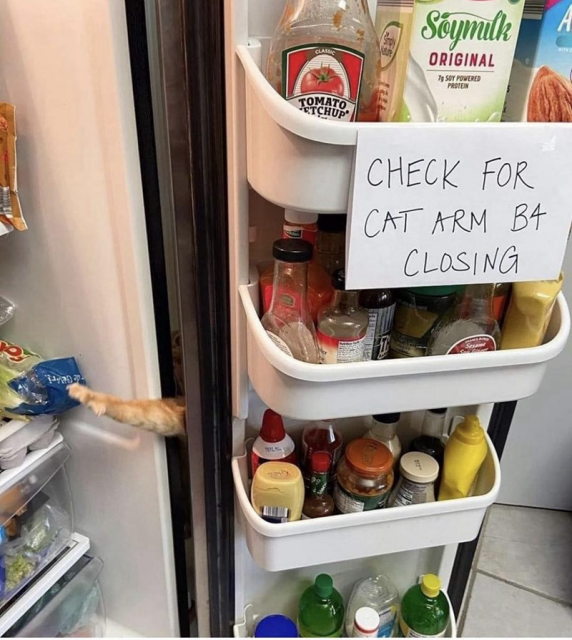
{"x":323,"y":80}
{"x":473,"y":344}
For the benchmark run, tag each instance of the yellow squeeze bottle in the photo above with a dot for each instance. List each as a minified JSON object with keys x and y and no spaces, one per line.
{"x":465,"y":452}
{"x":529,"y":313}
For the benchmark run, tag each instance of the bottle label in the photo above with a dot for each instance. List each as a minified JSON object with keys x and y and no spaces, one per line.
{"x":378,"y":333}
{"x":318,"y":483}
{"x":323,"y":80}
{"x":473,"y":344}
{"x":347,"y":502}
{"x":298,"y":232}
{"x":405,"y":631}
{"x":413,"y":493}
{"x":336,"y":350}
{"x":280,"y":343}
{"x":387,"y":622}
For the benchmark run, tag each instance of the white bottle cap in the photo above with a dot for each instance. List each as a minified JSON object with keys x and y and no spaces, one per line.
{"x":366,"y":620}
{"x":301,"y":217}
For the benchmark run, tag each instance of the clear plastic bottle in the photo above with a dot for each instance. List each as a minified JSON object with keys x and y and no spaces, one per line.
{"x":342,"y":325}
{"x":384,"y":429}
{"x":288,"y":322}
{"x":469,"y":327}
{"x":321,"y":610}
{"x":380,"y":594}
{"x":325,"y":60}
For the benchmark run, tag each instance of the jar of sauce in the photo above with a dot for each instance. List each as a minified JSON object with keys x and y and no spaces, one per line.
{"x":417,"y":311}
{"x":364,"y":477}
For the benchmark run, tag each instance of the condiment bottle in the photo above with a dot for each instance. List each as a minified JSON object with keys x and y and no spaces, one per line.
{"x":364,"y":477}
{"x":320,"y":435}
{"x":416,"y":484}
{"x":272,"y":443}
{"x":417,"y":312}
{"x":529,"y":313}
{"x":324,"y":59}
{"x":277,"y":492}
{"x":321,"y":610}
{"x":331,"y":241}
{"x":288,"y":322}
{"x":384,"y":429}
{"x":465,"y":452}
{"x":469,"y":327}
{"x":424,"y":610}
{"x":380,"y":305}
{"x":500,"y":300}
{"x":299,"y":225}
{"x":366,"y":623}
{"x":430,"y":441}
{"x":318,"y":503}
{"x":379,"y":593}
{"x":342,"y":325}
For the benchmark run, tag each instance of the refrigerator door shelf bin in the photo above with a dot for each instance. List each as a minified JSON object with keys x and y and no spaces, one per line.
{"x":245,"y":627}
{"x":310,"y":391}
{"x":276,"y":547}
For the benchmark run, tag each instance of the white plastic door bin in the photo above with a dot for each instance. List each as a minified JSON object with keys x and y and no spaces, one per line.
{"x":311,"y":391}
{"x":305,"y":543}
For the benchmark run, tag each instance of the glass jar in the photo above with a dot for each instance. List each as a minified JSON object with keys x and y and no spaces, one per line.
{"x":364,"y":477}
{"x":416,"y":484}
{"x":417,"y":312}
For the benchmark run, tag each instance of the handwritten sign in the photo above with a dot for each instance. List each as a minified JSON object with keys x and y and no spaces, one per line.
{"x":453,"y":204}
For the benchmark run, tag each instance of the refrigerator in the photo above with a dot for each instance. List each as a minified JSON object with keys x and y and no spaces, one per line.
{"x":152,"y":181}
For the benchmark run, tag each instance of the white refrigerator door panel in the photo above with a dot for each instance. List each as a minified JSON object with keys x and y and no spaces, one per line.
{"x":80,"y":278}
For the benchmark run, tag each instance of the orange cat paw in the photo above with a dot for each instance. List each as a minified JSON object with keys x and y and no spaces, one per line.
{"x":80,"y":392}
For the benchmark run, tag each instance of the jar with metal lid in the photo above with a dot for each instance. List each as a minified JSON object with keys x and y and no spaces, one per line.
{"x":417,"y":312}
{"x":364,"y":477}
{"x":416,"y":484}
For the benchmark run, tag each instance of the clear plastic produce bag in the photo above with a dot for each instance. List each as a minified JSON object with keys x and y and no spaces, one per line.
{"x":31,"y":386}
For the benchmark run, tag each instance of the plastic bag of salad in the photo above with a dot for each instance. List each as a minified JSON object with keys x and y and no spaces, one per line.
{"x":31,"y":386}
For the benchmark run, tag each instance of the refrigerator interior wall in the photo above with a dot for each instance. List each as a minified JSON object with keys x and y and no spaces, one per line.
{"x":80,"y":278}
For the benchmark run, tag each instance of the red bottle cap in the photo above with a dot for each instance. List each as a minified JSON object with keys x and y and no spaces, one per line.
{"x":321,"y":461}
{"x":272,"y":427}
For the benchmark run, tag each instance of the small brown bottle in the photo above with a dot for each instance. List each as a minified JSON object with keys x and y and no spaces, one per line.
{"x":380,"y":305}
{"x":318,"y":503}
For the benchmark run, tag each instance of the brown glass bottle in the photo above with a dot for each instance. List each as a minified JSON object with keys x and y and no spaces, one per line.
{"x":380,"y":305}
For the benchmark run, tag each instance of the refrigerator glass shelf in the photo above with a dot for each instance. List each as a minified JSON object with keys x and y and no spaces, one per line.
{"x":77,"y":547}
{"x":312,"y":392}
{"x":305,"y":543}
{"x":245,"y":627}
{"x":302,"y":149}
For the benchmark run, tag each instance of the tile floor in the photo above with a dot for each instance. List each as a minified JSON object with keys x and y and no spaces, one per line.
{"x":522,"y":585}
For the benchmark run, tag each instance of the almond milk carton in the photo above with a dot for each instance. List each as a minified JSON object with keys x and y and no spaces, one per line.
{"x":460,"y":60}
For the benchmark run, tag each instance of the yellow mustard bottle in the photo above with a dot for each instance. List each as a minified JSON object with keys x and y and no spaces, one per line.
{"x":529,"y":313}
{"x":277,"y":492}
{"x":465,"y":452}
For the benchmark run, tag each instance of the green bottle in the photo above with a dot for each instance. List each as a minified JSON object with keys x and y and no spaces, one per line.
{"x":424,"y":610}
{"x":321,"y":610}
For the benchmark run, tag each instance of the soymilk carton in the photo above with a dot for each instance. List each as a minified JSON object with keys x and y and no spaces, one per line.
{"x":550,"y":95}
{"x":460,"y":60}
